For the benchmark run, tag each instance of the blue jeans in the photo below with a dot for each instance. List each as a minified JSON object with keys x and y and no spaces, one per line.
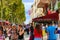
{"x":37,"y":38}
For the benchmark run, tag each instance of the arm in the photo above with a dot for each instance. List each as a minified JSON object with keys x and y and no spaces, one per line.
{"x":47,"y":32}
{"x":47,"y":35}
{"x":56,"y":30}
{"x":21,"y":32}
{"x":4,"y":39}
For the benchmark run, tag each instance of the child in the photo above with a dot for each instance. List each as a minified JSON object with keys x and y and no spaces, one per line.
{"x":1,"y":34}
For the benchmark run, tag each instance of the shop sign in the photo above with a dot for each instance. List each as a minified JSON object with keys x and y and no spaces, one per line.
{"x":43,"y":19}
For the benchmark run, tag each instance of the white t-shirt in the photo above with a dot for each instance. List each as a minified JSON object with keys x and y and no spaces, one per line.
{"x":58,"y":28}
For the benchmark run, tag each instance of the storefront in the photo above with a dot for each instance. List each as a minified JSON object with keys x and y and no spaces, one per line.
{"x":54,"y":17}
{"x":49,"y":18}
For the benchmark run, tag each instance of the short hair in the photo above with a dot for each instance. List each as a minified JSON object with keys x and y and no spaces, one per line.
{"x":49,"y":23}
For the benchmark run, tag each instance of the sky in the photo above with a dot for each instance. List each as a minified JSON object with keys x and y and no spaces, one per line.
{"x":27,"y":4}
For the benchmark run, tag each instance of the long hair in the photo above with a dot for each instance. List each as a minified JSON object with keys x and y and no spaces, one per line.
{"x":1,"y":28}
{"x":38,"y":28}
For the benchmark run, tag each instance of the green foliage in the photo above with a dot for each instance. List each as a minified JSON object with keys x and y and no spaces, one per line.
{"x":59,"y":5}
{"x":13,"y":10}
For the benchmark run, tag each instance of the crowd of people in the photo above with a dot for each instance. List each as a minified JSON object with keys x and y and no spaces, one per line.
{"x":52,"y":31}
{"x":13,"y":32}
{"x":16,"y":32}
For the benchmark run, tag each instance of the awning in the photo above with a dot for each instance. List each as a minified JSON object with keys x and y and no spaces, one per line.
{"x":48,"y":17}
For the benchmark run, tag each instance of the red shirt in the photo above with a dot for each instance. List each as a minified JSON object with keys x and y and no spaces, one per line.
{"x":36,"y":34}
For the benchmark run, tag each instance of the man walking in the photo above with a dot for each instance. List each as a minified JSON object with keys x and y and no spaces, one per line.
{"x":51,"y":32}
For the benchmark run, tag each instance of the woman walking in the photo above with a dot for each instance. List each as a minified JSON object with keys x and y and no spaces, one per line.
{"x":14,"y":35}
{"x":20,"y":33}
{"x":31,"y":32}
{"x":2,"y":37}
{"x":38,"y":32}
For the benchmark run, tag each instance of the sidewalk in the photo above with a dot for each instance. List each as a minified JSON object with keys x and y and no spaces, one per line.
{"x":26,"y":37}
{"x":45,"y":38}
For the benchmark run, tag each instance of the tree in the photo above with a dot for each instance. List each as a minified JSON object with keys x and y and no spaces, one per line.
{"x":58,"y":4}
{"x":13,"y":10}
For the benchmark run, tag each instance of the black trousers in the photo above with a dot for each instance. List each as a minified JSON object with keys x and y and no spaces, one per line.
{"x":27,"y":30}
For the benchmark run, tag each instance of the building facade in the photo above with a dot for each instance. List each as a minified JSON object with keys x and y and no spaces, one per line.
{"x":36,"y":12}
{"x":40,"y":7}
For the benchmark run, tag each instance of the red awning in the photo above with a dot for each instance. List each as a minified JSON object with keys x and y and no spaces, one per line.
{"x":53,"y":16}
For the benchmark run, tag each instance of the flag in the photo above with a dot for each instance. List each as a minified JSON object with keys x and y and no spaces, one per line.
{"x":30,"y":11}
{"x":49,"y":12}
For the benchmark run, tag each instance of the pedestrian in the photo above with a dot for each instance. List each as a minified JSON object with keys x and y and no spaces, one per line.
{"x":31,"y":32}
{"x":38,"y":32}
{"x":4,"y":31}
{"x":44,"y":29}
{"x":51,"y":32}
{"x":2,"y":37}
{"x":20,"y":33}
{"x":58,"y":32}
{"x":14,"y":35}
{"x":27,"y":29}
{"x":9,"y":31}
{"x":55,"y":24}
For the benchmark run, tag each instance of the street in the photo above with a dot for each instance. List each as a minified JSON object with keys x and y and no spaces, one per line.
{"x":26,"y":37}
{"x":44,"y":38}
{"x":21,"y":18}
